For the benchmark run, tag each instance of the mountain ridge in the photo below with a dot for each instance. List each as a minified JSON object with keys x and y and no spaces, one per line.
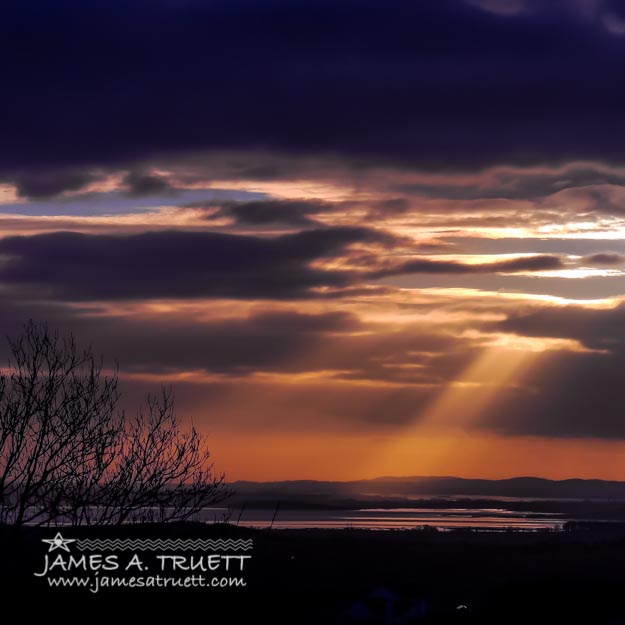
{"x":523,"y":486}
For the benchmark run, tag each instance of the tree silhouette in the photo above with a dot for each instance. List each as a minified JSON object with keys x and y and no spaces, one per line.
{"x":69,"y":455}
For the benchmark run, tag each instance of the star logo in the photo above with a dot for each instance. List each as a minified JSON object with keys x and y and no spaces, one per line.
{"x":58,"y":542}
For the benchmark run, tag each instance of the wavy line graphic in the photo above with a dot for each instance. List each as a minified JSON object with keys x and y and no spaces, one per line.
{"x":177,"y":544}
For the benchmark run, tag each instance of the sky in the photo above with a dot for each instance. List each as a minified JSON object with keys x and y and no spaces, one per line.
{"x":357,"y":238}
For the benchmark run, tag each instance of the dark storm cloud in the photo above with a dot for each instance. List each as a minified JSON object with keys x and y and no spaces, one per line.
{"x":604,"y":258}
{"x":594,"y":328}
{"x":284,"y":342}
{"x":424,"y":265}
{"x":182,"y":264}
{"x":179,"y":264}
{"x":565,"y":396}
{"x":43,"y":185}
{"x":273,"y":212}
{"x":262,"y":341}
{"x":139,"y":185}
{"x":435,"y":83}
{"x":516,"y":184}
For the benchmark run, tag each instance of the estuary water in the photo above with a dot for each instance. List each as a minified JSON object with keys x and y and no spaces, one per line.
{"x":390,"y":518}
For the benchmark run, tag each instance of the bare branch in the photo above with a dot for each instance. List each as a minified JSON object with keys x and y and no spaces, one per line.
{"x":68,"y":455}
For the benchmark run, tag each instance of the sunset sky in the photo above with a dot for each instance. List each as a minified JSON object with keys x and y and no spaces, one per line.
{"x":358,"y":238}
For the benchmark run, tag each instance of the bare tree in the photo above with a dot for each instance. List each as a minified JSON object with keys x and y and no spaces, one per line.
{"x":67,"y":454}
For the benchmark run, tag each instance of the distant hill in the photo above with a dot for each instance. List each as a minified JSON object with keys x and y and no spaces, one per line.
{"x":415,"y":487}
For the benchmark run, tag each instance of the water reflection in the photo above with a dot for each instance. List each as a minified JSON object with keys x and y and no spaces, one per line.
{"x":396,"y":518}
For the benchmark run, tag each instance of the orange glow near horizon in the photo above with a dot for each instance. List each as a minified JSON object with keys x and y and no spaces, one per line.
{"x":444,"y":441}
{"x":338,"y":457}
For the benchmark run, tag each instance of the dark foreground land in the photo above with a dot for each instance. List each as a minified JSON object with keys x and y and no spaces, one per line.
{"x":351,"y":576}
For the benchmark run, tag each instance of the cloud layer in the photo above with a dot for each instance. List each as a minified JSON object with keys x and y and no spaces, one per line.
{"x":445,"y":84}
{"x":366,"y":223}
